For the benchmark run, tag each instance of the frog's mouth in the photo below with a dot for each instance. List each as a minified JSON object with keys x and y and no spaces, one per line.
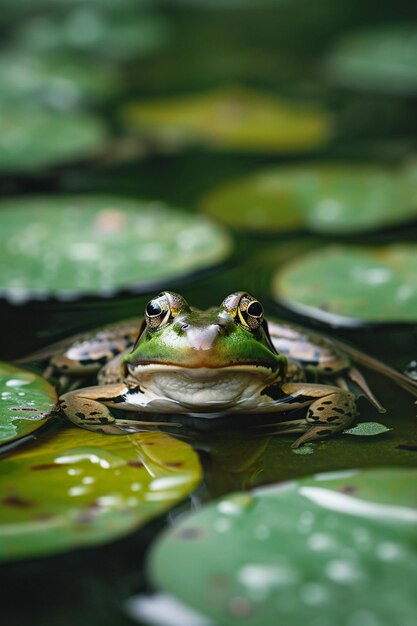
{"x":203,"y":389}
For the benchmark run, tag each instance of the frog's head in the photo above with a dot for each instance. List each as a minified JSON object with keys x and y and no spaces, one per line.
{"x":204,"y":348}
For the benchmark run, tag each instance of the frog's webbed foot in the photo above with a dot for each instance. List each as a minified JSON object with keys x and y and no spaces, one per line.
{"x":89,"y":408}
{"x":330,"y":410}
{"x":328,"y":415}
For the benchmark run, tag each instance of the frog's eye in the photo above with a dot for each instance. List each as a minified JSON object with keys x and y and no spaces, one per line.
{"x":245,"y":309}
{"x":157,"y":311}
{"x":163,"y":308}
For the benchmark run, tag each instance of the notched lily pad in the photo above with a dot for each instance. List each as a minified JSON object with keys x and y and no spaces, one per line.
{"x":352,"y":285}
{"x":324,"y":198}
{"x":292,"y":553}
{"x":234,"y":119}
{"x":68,"y":246}
{"x":26,"y":402}
{"x":76,"y":489}
{"x":35,"y":138}
{"x":367,"y":429}
{"x":382,"y":58}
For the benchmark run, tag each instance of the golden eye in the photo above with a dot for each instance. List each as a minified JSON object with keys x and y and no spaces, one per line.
{"x":250,"y":312}
{"x":164,"y":308}
{"x":244,"y":309}
{"x":255,"y":309}
{"x":157,"y":311}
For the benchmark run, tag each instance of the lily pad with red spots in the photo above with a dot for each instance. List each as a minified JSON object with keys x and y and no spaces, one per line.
{"x":72,"y":246}
{"x":26,"y":402}
{"x":75,"y":489}
{"x":328,"y":549}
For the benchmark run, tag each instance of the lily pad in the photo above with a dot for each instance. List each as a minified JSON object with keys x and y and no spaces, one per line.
{"x":349,"y":284}
{"x":68,"y":246}
{"x":381,"y":58}
{"x":35,"y":138}
{"x":233,"y":119}
{"x":327,"y":550}
{"x":60,"y":83}
{"x":76,"y":489}
{"x":26,"y":402}
{"x":367,"y":429}
{"x":109,"y":32}
{"x":325,"y":198}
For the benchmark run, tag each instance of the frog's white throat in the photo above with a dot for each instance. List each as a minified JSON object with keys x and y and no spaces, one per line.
{"x":203,"y":389}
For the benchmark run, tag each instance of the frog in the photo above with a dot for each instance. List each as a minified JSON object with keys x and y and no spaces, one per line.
{"x":224,"y":361}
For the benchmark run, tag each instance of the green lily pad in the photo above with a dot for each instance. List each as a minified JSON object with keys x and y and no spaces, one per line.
{"x":60,"y":83}
{"x":367,"y":429}
{"x":27,"y":401}
{"x":348,"y":284}
{"x":324,"y":550}
{"x":76,"y":489}
{"x":68,"y":246}
{"x":382,"y":58}
{"x":234,"y":119}
{"x":32,"y":139}
{"x":110,"y":32}
{"x":325,"y":198}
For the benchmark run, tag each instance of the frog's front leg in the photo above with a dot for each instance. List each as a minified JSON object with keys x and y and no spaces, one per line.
{"x":330,"y":409}
{"x":89,"y":408}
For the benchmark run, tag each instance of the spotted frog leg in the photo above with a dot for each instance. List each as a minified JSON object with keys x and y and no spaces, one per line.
{"x":318,"y":358}
{"x":331,"y":407}
{"x":90,"y":407}
{"x":87,"y":353}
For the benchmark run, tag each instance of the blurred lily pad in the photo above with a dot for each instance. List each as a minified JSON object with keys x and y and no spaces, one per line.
{"x":348,"y":284}
{"x":60,"y":83}
{"x":35,"y":138}
{"x":67,"y":246}
{"x":107,"y":31}
{"x":76,"y":489}
{"x":26,"y":402}
{"x":325,"y":198}
{"x":381,"y":58}
{"x":292,"y":553}
{"x":234,"y":119}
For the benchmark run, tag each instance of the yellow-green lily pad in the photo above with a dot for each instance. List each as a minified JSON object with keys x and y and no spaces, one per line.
{"x":382,"y":58}
{"x":336,"y":548}
{"x":67,"y":247}
{"x":35,"y":138}
{"x":26,"y":402}
{"x":349,"y":284}
{"x":325,"y":198}
{"x":234,"y":119}
{"x":76,"y":489}
{"x":61,"y":83}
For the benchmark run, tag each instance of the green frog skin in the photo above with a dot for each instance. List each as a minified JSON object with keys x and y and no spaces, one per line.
{"x":226,"y":360}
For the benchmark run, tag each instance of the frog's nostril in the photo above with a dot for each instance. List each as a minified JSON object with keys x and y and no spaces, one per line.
{"x":184,"y":326}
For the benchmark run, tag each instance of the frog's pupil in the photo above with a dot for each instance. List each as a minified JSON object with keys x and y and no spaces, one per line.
{"x":153,"y":308}
{"x":255,"y":309}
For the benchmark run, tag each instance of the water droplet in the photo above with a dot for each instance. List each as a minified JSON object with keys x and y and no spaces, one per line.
{"x":320,"y":541}
{"x":342,"y":571}
{"x":261,"y":576}
{"x":388,"y":551}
